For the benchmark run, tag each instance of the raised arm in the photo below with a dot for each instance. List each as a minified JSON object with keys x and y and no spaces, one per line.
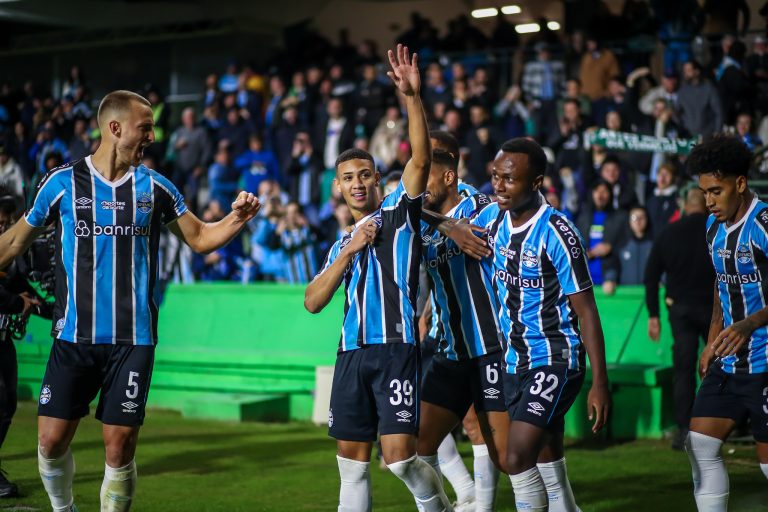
{"x":320,"y":291}
{"x":598,"y":400}
{"x":205,"y":237}
{"x":405,"y":75}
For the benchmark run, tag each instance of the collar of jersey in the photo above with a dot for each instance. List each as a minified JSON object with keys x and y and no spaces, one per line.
{"x":743,"y":218}
{"x":514,"y":230}
{"x":358,"y":223}
{"x":450,"y":212}
{"x":101,"y":177}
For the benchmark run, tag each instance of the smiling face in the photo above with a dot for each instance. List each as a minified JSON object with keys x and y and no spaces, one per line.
{"x":133,"y":133}
{"x":723,"y":194}
{"x":513,"y":182}
{"x":358,"y":182}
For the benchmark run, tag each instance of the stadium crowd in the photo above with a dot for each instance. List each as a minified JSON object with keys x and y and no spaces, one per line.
{"x":276,"y":132}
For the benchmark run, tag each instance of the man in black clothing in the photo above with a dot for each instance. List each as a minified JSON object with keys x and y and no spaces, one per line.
{"x":17,"y":298}
{"x":680,"y":252}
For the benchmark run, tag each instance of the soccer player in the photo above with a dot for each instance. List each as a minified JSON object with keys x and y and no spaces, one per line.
{"x":108,"y":209}
{"x":547,"y":317}
{"x":375,"y":384}
{"x":466,"y":370}
{"x":734,"y":364}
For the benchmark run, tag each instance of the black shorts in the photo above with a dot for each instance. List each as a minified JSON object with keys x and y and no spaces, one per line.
{"x":429,"y":348}
{"x":375,"y":389}
{"x":456,"y":385}
{"x":734,"y":396}
{"x":76,"y":373}
{"x":542,"y":396}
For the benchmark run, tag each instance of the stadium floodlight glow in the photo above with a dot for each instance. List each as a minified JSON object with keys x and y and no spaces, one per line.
{"x":486,"y":12}
{"x":511,"y":9}
{"x":553,"y":25}
{"x":527,"y":28}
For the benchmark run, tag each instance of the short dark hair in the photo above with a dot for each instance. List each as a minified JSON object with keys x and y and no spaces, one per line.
{"x":353,"y":154}
{"x":721,"y":155}
{"x":572,"y":100}
{"x":449,"y":156}
{"x":537,"y":159}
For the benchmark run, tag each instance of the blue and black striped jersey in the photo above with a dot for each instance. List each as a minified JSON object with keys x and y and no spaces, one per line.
{"x":464,"y":311}
{"x":535,"y":267}
{"x":382,"y":282}
{"x":740,"y":256}
{"x":106,"y":250}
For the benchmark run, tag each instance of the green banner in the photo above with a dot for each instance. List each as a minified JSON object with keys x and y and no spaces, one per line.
{"x":623,"y":141}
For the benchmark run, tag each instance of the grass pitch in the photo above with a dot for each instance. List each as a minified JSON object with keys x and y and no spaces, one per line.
{"x":188,"y":465}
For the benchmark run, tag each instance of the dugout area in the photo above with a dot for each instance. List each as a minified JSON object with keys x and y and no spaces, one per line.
{"x":249,"y":353}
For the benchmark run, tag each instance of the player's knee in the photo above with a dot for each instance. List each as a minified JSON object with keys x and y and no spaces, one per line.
{"x":472,"y":428}
{"x":517,"y":461}
{"x":52,"y":444}
{"x":398,"y":453}
{"x":120,"y":449}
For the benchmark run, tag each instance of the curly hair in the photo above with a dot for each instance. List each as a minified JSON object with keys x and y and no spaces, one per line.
{"x":721,"y":155}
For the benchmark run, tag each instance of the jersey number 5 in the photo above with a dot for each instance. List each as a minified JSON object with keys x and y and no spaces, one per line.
{"x":133,"y":386}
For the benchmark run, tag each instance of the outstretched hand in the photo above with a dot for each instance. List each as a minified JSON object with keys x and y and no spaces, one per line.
{"x":246,"y":206}
{"x":405,"y":71}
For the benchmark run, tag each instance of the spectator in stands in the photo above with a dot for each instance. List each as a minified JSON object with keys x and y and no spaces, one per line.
{"x":192,"y":152}
{"x":235,"y":129}
{"x":613,"y":100}
{"x":223,"y":178}
{"x":745,"y":130}
{"x":598,"y":66}
{"x":757,"y":70}
{"x":483,"y":141}
{"x":680,"y":252}
{"x":212,"y":94}
{"x":662,"y":204}
{"x":18,"y":145}
{"x":573,"y":91}
{"x":701,"y":111}
{"x":12,"y":177}
{"x":297,"y":241}
{"x":387,"y":136}
{"x":274,"y":110}
{"x":335,"y":134}
{"x":161,"y":115}
{"x":436,"y":89}
{"x":47,"y":142}
{"x":542,"y":83}
{"x":633,"y":254}
{"x":80,"y":143}
{"x":303,"y":172}
{"x":512,"y":114}
{"x":453,"y":124}
{"x":228,"y":80}
{"x":222,"y":264}
{"x":334,"y":227}
{"x":256,"y":164}
{"x":736,"y":91}
{"x":248,"y":102}
{"x":666,"y":91}
{"x":285,"y":133}
{"x":603,"y":229}
{"x":568,"y":141}
{"x":370,"y":98}
{"x":622,"y":194}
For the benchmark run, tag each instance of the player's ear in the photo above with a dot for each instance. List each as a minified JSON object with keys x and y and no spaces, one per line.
{"x":537,"y":181}
{"x":377,"y":177}
{"x":114,"y":128}
{"x":741,"y":184}
{"x":449,"y":177}
{"x":336,"y":183}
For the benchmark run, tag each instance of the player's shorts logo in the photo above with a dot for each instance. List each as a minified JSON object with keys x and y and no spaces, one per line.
{"x":530,"y":260}
{"x":45,"y":395}
{"x":491,"y":393}
{"x":82,"y":230}
{"x":405,"y":416}
{"x":330,"y":417}
{"x":144,"y":202}
{"x":743,"y":254}
{"x":535,"y":408}
{"x":129,"y":407}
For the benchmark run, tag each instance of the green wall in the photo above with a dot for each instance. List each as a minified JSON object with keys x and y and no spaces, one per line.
{"x":249,"y":352}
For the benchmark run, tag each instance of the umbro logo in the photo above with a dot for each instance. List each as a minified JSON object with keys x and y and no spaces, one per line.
{"x":129,"y":406}
{"x":404,"y":416}
{"x":491,"y":392}
{"x":83,"y":203}
{"x":535,"y":408}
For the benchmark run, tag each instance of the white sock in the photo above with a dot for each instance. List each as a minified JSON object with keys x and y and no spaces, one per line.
{"x":764,"y":469}
{"x":454,"y":470}
{"x":118,"y":487}
{"x":530,"y":493}
{"x":434,"y":464}
{"x":57,"y":475}
{"x":486,"y":477}
{"x":559,"y":493}
{"x":423,"y":483}
{"x":710,"y":479}
{"x":355,"y":492}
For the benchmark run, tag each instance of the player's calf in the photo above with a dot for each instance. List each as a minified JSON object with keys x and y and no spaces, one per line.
{"x":710,"y":478}
{"x":355,"y":492}
{"x":57,"y":475}
{"x":559,"y":493}
{"x":118,"y":487}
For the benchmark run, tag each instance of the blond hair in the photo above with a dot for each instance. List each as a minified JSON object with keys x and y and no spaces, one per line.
{"x":118,"y":102}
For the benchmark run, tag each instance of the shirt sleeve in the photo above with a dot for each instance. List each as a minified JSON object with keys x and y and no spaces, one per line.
{"x":333,"y":253}
{"x":402,"y":210}
{"x":45,"y":208}
{"x":485,"y":217}
{"x":171,"y":202}
{"x":760,"y":233}
{"x":567,"y":254}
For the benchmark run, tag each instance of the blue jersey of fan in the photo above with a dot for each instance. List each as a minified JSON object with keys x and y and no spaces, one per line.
{"x":107,"y":236}
{"x":740,"y":256}
{"x":464,"y":313}
{"x":382,"y":281}
{"x":535,"y":267}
